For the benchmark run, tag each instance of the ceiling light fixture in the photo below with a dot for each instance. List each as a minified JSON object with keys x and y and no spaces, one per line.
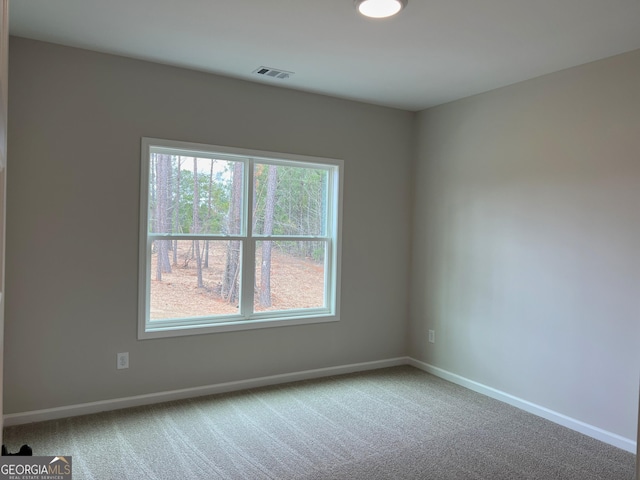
{"x":380,"y":8}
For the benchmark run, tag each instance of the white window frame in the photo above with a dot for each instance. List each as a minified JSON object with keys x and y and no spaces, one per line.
{"x":246,"y":319}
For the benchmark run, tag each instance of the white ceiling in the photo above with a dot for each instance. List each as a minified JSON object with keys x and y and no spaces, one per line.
{"x":435,"y":51}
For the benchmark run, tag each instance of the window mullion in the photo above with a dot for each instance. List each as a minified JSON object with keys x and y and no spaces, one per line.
{"x":188,"y":236}
{"x":248,"y":246}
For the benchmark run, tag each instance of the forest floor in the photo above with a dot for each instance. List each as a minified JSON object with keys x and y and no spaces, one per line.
{"x":295,"y":283}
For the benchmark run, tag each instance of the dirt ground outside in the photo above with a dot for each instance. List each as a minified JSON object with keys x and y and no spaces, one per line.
{"x":295,"y":283}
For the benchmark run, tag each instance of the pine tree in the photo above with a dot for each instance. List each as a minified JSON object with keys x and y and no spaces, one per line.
{"x":232,"y":266}
{"x":265,"y":268}
{"x":163,"y":166}
{"x":196,"y":222}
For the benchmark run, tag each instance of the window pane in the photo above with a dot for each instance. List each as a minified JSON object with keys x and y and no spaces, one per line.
{"x":289,"y":275}
{"x":194,"y":278}
{"x":289,"y":200}
{"x":177,"y":183}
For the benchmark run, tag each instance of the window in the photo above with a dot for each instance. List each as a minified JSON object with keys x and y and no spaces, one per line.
{"x":234,"y":239}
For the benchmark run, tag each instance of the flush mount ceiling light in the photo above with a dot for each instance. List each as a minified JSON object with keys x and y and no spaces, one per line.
{"x":380,"y":8}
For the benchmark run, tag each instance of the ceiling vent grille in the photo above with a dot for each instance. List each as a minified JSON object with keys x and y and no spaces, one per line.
{"x":273,"y":73}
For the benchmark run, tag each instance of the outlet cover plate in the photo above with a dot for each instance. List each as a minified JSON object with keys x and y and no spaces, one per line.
{"x":123,"y":360}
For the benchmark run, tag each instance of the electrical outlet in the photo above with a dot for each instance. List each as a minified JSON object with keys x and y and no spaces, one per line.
{"x":123,"y":360}
{"x":432,"y":336}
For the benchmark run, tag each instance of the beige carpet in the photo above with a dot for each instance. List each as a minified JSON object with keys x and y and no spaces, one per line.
{"x":396,"y":423}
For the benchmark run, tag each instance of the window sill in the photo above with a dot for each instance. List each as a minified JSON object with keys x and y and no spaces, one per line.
{"x":204,"y":329}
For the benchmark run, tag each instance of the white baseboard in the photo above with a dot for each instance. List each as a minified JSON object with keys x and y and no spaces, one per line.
{"x":118,"y":403}
{"x":138,"y":400}
{"x":565,"y":421}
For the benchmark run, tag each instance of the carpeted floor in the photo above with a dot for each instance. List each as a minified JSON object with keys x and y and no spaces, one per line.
{"x":396,"y":423}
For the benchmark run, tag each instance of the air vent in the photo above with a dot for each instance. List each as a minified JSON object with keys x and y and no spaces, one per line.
{"x":272,"y":72}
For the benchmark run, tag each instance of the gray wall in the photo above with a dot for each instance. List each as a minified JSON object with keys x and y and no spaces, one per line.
{"x":76,"y":119}
{"x":526,"y":248}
